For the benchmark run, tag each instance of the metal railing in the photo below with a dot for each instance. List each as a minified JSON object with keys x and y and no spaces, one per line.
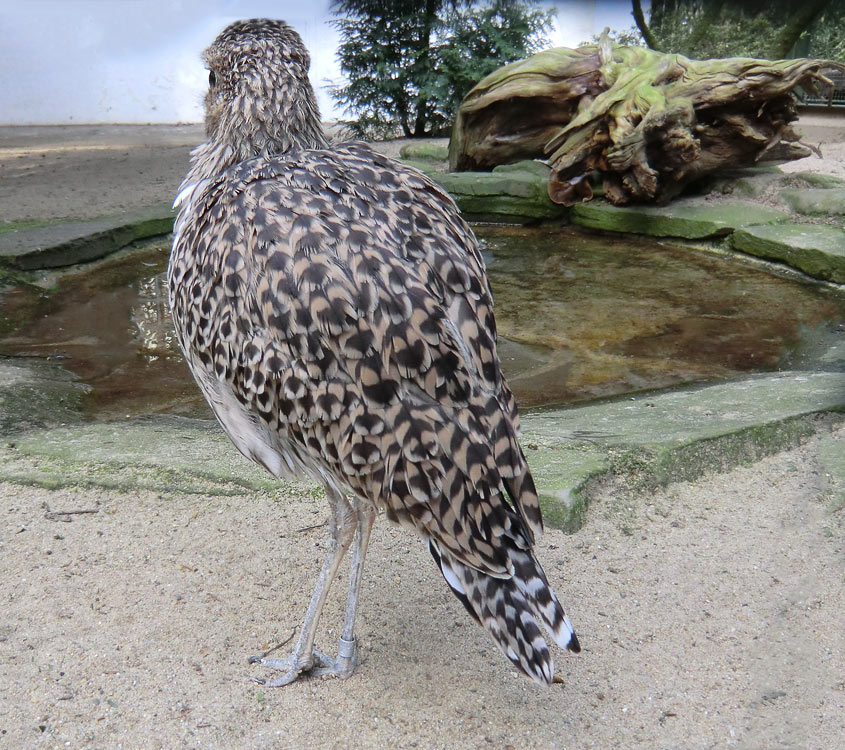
{"x":834,"y":97}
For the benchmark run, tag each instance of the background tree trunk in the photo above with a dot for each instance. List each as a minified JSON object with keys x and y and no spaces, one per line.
{"x":801,"y":18}
{"x":642,"y":25}
{"x":692,"y":27}
{"x":423,"y":61}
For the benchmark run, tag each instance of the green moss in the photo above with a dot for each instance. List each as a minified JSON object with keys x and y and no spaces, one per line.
{"x":422,"y":151}
{"x":690,"y":218}
{"x":815,"y":249}
{"x":17,"y":226}
{"x":740,"y":448}
{"x":61,"y":244}
{"x":819,"y":180}
{"x":816,"y":201}
{"x":568,"y":516}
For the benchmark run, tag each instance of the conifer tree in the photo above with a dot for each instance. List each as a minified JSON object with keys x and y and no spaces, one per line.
{"x":410,"y":62}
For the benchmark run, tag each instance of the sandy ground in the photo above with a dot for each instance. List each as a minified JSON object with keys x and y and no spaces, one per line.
{"x":827,"y":133}
{"x":710,"y":613}
{"x":831,"y":161}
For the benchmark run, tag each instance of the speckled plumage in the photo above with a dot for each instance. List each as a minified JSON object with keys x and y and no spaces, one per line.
{"x":334,"y":309}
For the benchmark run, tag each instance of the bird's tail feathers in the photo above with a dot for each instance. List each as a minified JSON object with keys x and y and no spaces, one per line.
{"x":509,"y":609}
{"x":532,"y":582}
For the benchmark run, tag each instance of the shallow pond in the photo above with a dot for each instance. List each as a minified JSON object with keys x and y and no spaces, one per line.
{"x":580,"y":316}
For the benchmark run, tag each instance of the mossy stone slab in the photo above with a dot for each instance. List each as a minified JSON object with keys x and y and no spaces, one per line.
{"x":819,"y":180}
{"x":680,"y":416}
{"x":669,"y":436}
{"x":35,"y":393}
{"x":689,"y":218}
{"x":514,"y":184}
{"x":531,"y":166}
{"x":157,"y":452}
{"x":561,"y":475}
{"x":424,"y":152}
{"x":815,"y":201}
{"x":508,"y":209}
{"x":426,"y":167}
{"x":815,"y":249}
{"x":67,"y":243}
{"x":513,"y":196}
{"x":658,"y":437}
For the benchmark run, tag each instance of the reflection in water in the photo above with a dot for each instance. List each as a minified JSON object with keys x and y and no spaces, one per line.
{"x":151,"y":315}
{"x":111,"y":327}
{"x":579,"y":316}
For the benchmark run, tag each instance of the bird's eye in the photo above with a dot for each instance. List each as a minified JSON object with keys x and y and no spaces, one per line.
{"x":212,"y":79}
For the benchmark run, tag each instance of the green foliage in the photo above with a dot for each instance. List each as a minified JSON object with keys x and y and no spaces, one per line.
{"x":409,"y":63}
{"x":703,"y":29}
{"x":478,"y":41}
{"x":629,"y":37}
{"x":824,"y":39}
{"x":378,"y":52}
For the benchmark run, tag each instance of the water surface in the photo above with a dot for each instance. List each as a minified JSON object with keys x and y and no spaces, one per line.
{"x":604,"y":315}
{"x":580,"y":316}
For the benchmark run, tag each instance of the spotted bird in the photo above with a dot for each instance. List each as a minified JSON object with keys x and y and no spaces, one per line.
{"x":334,"y":309}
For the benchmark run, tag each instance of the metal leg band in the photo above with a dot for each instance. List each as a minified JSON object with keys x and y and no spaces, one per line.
{"x":345,"y":649}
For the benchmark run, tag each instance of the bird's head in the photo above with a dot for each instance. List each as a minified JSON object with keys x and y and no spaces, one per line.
{"x":259,"y":99}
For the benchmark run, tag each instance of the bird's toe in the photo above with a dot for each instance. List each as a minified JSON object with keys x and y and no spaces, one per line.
{"x":317,"y":664}
{"x":342,"y":667}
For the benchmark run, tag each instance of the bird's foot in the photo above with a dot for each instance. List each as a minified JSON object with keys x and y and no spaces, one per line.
{"x":315,"y":664}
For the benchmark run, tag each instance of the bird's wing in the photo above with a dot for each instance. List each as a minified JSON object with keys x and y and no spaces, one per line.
{"x":342,"y":298}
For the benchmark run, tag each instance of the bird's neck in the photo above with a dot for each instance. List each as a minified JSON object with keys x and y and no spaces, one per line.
{"x":235,"y":138}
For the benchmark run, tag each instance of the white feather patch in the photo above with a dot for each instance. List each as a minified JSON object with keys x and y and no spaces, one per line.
{"x":451,"y":578}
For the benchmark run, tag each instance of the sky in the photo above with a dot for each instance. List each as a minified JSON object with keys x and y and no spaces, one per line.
{"x":119,"y":61}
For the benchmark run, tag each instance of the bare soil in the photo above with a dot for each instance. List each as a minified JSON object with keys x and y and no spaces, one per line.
{"x":710,"y":615}
{"x":710,"y":612}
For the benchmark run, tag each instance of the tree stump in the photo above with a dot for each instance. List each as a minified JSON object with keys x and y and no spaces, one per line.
{"x":646,"y":121}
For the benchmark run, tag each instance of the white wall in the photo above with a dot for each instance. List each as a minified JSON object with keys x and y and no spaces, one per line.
{"x":87,"y":61}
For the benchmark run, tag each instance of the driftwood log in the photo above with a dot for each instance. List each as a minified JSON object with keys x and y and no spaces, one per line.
{"x":647,"y":122}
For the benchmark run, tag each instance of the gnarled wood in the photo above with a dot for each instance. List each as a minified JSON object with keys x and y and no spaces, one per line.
{"x":649,"y":122}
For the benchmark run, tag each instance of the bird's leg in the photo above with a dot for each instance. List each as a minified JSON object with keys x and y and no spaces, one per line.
{"x":347,"y":648}
{"x":342,"y":525}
